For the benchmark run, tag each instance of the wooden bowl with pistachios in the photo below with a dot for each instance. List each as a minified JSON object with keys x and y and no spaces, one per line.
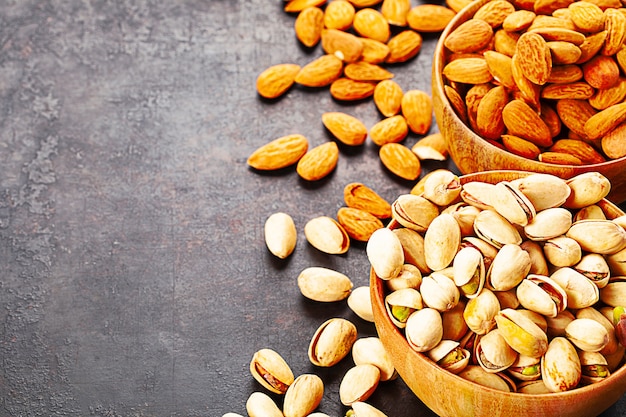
{"x":503,"y":293}
{"x":534,"y":90}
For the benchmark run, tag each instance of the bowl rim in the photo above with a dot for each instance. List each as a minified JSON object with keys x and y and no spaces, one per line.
{"x":377,"y":297}
{"x":438,"y":83}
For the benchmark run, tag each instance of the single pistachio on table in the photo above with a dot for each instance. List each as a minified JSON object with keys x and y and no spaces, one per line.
{"x":358,"y":383}
{"x":560,"y":366}
{"x":303,"y":396}
{"x":363,"y":409}
{"x":324,"y":284}
{"x":271,"y":370}
{"x":360,"y":303}
{"x":260,"y":404}
{"x":280,"y":234}
{"x":331,"y":342}
{"x":232,"y":415}
{"x":371,"y":350}
{"x":327,"y":235}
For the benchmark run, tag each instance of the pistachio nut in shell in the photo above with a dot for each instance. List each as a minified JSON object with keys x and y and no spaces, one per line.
{"x":510,"y":266}
{"x":465,"y":215}
{"x":538,"y":263}
{"x":439,"y":292}
{"x":413,"y":248}
{"x":385,"y":253}
{"x":358,"y":383}
{"x":488,"y":250}
{"x":414,"y":212}
{"x":493,"y":353}
{"x":614,"y":294}
{"x":538,"y":319}
{"x":541,"y":294}
{"x":593,"y":211}
{"x":521,"y":333}
{"x":449,"y":355}
{"x":400,"y":305}
{"x":303,"y":396}
{"x":587,"y":334}
{"x":327,"y":235}
{"x":512,"y":204}
{"x":232,"y":415}
{"x":280,"y":234}
{"x":617,"y":262}
{"x":478,"y":375}
{"x":324,"y":284}
{"x":495,"y":229}
{"x":562,"y":251}
{"x":331,"y":342}
{"x":560,"y":366}
{"x":442,"y":187}
{"x":549,"y":223}
{"x":271,"y":370}
{"x":507,"y":299}
{"x":371,"y":350}
{"x":363,"y":409}
{"x":424,"y":329}
{"x":469,"y":271}
{"x":598,"y":236}
{"x":260,"y":404}
{"x":360,"y":303}
{"x":478,"y":194}
{"x":441,"y":241}
{"x":586,"y":189}
{"x":480,"y":312}
{"x":543,"y":190}
{"x":525,"y":368}
{"x":581,"y":292}
{"x":594,"y":367}
{"x":533,"y":387}
{"x":594,"y":314}
{"x":409,"y":277}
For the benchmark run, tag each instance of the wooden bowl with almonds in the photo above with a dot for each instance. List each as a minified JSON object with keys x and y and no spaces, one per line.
{"x":449,"y":394}
{"x":513,"y":91}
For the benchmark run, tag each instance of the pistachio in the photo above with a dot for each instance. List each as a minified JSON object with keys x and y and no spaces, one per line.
{"x":521,"y":333}
{"x":409,"y":277}
{"x":560,"y":366}
{"x":533,"y":387}
{"x":478,"y":194}
{"x":260,"y":404}
{"x":385,"y":253}
{"x":303,"y":396}
{"x":439,"y":292}
{"x":442,"y":187}
{"x":581,"y":292}
{"x":449,"y":355}
{"x":617,"y":262}
{"x":595,"y":268}
{"x":510,"y":266}
{"x":543,"y":190}
{"x":371,"y":350}
{"x":542,"y":295}
{"x":598,"y":236}
{"x":360,"y":303}
{"x":478,"y":375}
{"x":414,"y":212}
{"x":590,"y":212}
{"x":362,"y":409}
{"x":562,"y":251}
{"x":586,"y":189}
{"x":358,"y":383}
{"x":538,"y":263}
{"x":441,"y":241}
{"x":480,"y":312}
{"x":592,"y":313}
{"x":324,"y":284}
{"x":614,"y":294}
{"x":594,"y":367}
{"x":413,"y":248}
{"x":587,"y":334}
{"x":548,"y":224}
{"x":512,"y":204}
{"x":280,"y":235}
{"x":331,"y":342}
{"x":495,"y":229}
{"x":327,"y":235}
{"x":488,"y":250}
{"x":271,"y":371}
{"x":525,"y":368}
{"x":400,"y":304}
{"x":469,"y":271}
{"x":493,"y":353}
{"x":465,"y":215}
{"x":424,"y":329}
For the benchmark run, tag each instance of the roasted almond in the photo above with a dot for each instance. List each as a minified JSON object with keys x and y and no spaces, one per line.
{"x":320,"y":72}
{"x":577,"y":91}
{"x":581,"y":150}
{"x":399,"y":159}
{"x":601,"y":72}
{"x":587,"y":16}
{"x":563,"y":74}
{"x":494,"y":12}
{"x":370,"y":23}
{"x":276,"y":80}
{"x":374,"y":52}
{"x":279,"y":153}
{"x":360,"y":196}
{"x":521,"y":120}
{"x":520,"y":147}
{"x":388,"y":97}
{"x":431,"y":147}
{"x":359,"y":224}
{"x":457,"y":102}
{"x":614,"y":143}
{"x":604,"y":121}
{"x":339,"y":14}
{"x":470,"y":36}
{"x":489,"y":116}
{"x":345,"y":46}
{"x":404,"y":46}
{"x":296,"y":6}
{"x":395,"y":11}
{"x":615,"y":26}
{"x":318,"y":162}
{"x":607,"y":97}
{"x":468,"y":71}
{"x":574,"y":114}
{"x":559,"y":158}
{"x":501,"y":68}
{"x":518,"y":21}
{"x":563,"y":53}
{"x":364,"y":71}
{"x":309,"y":25}
{"x":345,"y":89}
{"x":346,"y":128}
{"x":389,"y":130}
{"x":591,"y":46}
{"x":417,"y":108}
{"x":429,"y":17}
{"x":534,"y":57}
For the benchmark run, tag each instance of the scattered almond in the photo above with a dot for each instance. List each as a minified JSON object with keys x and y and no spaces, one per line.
{"x":399,"y":159}
{"x":339,"y":15}
{"x":346,"y":128}
{"x":296,"y":6}
{"x":318,"y":162}
{"x":359,"y":224}
{"x":345,"y":46}
{"x":370,"y":23}
{"x":345,"y":89}
{"x":389,"y":130}
{"x":320,"y":72}
{"x":429,"y":17}
{"x":388,"y":97}
{"x":360,"y":196}
{"x":279,"y":153}
{"x":417,"y":108}
{"x":276,"y":80}
{"x":431,"y":147}
{"x":395,"y":11}
{"x":309,"y":25}
{"x":364,"y":71}
{"x":403,"y":46}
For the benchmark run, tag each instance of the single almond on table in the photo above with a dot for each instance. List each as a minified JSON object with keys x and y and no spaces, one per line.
{"x":399,"y":159}
{"x":296,"y":6}
{"x":388,"y":97}
{"x":370,"y":23}
{"x":374,"y":52}
{"x":359,"y":224}
{"x":346,"y":89}
{"x":309,"y":25}
{"x":318,"y":162}
{"x":360,"y":196}
{"x":346,"y":128}
{"x":431,"y":147}
{"x":429,"y":17}
{"x":395,"y":11}
{"x":364,"y":71}
{"x":417,"y":108}
{"x":279,"y":153}
{"x":345,"y":46}
{"x":339,"y":15}
{"x":276,"y":80}
{"x":389,"y":130}
{"x":320,"y":72}
{"x":404,"y":46}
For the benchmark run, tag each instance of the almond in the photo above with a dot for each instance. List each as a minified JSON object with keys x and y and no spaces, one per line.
{"x":604,"y":121}
{"x":388,"y":97}
{"x":320,"y":72}
{"x":534,"y":57}
{"x":429,"y":17}
{"x":359,"y":224}
{"x":309,"y":25}
{"x":468,"y":71}
{"x":505,"y":42}
{"x":374,"y":52}
{"x":609,"y":96}
{"x":615,"y":26}
{"x":574,"y":114}
{"x":417,"y":108}
{"x":346,"y":128}
{"x":546,"y":7}
{"x":389,"y":130}
{"x":318,"y":162}
{"x":563,"y":74}
{"x":494,"y":12}
{"x":276,"y":80}
{"x":279,"y":153}
{"x":457,"y":102}
{"x":395,"y":11}
{"x":343,"y":45}
{"x":364,"y":71}
{"x":500,"y":67}
{"x":360,"y":196}
{"x":489,"y":116}
{"x":563,"y":53}
{"x":614,"y":142}
{"x":591,"y":46}
{"x":560,"y":34}
{"x":339,"y":15}
{"x":601,"y":72}
{"x":518,"y":21}
{"x":578,"y":91}
{"x":551,"y":119}
{"x":370,"y":23}
{"x":546,"y":21}
{"x":296,"y":6}
{"x":431,"y":147}
{"x":559,"y":158}
{"x":403,"y":46}
{"x":364,"y":3}
{"x":399,"y":159}
{"x":521,"y":120}
{"x":457,"y":5}
{"x":470,"y":36}
{"x":345,"y":89}
{"x":581,"y":150}
{"x":588,"y":17}
{"x":520,"y":147}
{"x":472,"y":100}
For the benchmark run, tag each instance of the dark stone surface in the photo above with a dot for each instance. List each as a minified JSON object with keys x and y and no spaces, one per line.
{"x":135,"y":280}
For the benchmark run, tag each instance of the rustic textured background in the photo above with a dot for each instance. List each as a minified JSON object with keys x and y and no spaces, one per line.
{"x":134,"y":277}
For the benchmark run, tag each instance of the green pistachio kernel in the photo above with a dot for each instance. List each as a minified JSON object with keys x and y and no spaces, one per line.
{"x":401,"y":313}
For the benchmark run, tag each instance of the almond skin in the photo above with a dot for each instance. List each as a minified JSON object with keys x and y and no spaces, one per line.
{"x":318,"y":162}
{"x":521,"y":120}
{"x":404,"y":46}
{"x":346,"y":128}
{"x":345,"y":46}
{"x":279,"y":153}
{"x":276,"y":80}
{"x":389,"y":130}
{"x":429,"y":17}
{"x":364,"y":71}
{"x":345,"y":89}
{"x":489,"y":117}
{"x":339,"y":15}
{"x":470,"y":36}
{"x":534,"y":57}
{"x":370,"y":23}
{"x":601,"y":72}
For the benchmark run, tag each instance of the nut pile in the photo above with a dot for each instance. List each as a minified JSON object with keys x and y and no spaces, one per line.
{"x":518,"y":285}
{"x":542,"y":79}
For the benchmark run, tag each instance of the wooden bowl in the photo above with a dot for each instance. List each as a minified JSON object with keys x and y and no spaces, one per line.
{"x":450,"y":395}
{"x":471,"y":153}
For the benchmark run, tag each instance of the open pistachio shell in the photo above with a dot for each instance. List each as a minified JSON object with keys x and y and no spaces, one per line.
{"x":371,"y":350}
{"x":543,"y":190}
{"x":400,"y":304}
{"x":538,"y":263}
{"x":595,"y":268}
{"x":593,"y":211}
{"x":271,"y":371}
{"x":594,"y":367}
{"x":441,"y":242}
{"x":414,"y":212}
{"x":468,"y":269}
{"x":614,"y":294}
{"x":424,"y":329}
{"x":478,"y":194}
{"x":541,"y":294}
{"x":560,"y":366}
{"x":478,"y":375}
{"x":439,"y":292}
{"x":549,"y":223}
{"x":413,"y":248}
{"x":303,"y":396}
{"x":581,"y":292}
{"x":521,"y":333}
{"x":495,"y":229}
{"x":525,"y":368}
{"x":480,"y":312}
{"x":488,"y":250}
{"x":449,"y":355}
{"x":587,"y":334}
{"x":512,"y":204}
{"x":409,"y":277}
{"x":464,"y":215}
{"x":510,"y":266}
{"x":327,"y":235}
{"x":442,"y":187}
{"x":598,"y":236}
{"x":493,"y":352}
